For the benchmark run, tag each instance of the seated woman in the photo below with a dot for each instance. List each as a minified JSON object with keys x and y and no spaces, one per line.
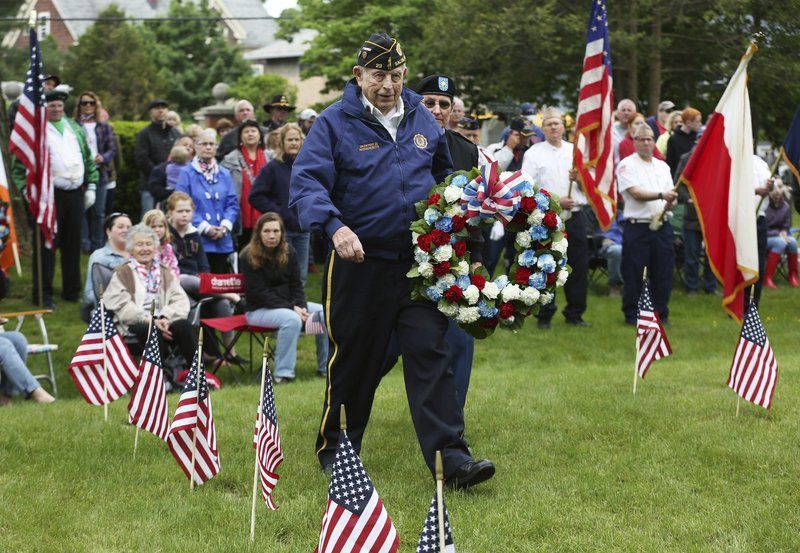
{"x":140,"y":282}
{"x":15,"y":378}
{"x":275,"y":296}
{"x":156,"y":220}
{"x":779,"y":241}
{"x":112,"y":255}
{"x":217,"y":207}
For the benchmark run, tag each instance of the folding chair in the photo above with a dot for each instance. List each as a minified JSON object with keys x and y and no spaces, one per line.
{"x":35,"y":349}
{"x":232,"y":284}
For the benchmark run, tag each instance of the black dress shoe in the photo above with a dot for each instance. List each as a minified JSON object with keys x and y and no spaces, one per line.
{"x":470,"y":473}
{"x":578,"y":322}
{"x":544,"y":325}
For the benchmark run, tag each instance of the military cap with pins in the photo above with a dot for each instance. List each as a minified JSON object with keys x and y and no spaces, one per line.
{"x":380,"y":51}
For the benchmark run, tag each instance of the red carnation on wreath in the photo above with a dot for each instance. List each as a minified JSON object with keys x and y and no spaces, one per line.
{"x":528,"y":204}
{"x":458,"y":223}
{"x":507,"y":310}
{"x":440,"y":237}
{"x":551,"y":278}
{"x":424,"y":242}
{"x":460,"y":248}
{"x":489,"y":323}
{"x":434,"y":199}
{"x":522,"y":275}
{"x":478,"y":280}
{"x":441,"y":269}
{"x":453,"y":294}
{"x":550,"y":219}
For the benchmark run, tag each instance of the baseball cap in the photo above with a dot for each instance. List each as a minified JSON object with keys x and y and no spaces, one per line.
{"x":666,"y":105}
{"x":523,"y":125}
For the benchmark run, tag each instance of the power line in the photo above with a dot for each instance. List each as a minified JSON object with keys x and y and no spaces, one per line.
{"x":121,"y":19}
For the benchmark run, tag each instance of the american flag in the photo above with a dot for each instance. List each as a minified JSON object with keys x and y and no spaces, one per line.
{"x":594,"y":154}
{"x":355,"y":519}
{"x":29,"y":143}
{"x":429,"y":539}
{"x":651,"y":340}
{"x":194,"y":416}
{"x":148,"y":406}
{"x":754,"y":371}
{"x":86,"y":367}
{"x":314,"y":323}
{"x":267,"y":441}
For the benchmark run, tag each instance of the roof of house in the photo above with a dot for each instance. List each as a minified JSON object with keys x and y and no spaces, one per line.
{"x":281,"y":49}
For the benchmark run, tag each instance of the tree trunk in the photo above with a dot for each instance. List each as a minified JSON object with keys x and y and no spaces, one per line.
{"x":654,"y":88}
{"x":633,"y":55}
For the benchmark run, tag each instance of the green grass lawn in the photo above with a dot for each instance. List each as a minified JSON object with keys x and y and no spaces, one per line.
{"x":582,"y":465}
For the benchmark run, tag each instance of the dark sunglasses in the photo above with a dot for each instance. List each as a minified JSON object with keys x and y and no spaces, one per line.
{"x":430,"y":103}
{"x":88,"y":102}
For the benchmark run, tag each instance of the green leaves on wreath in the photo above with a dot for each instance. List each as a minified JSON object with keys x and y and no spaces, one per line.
{"x":420,"y":226}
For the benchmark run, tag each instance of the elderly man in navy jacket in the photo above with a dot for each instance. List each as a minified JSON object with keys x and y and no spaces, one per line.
{"x":366,"y":161}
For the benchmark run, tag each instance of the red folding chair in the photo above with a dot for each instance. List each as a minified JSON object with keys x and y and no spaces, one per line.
{"x":232,"y":284}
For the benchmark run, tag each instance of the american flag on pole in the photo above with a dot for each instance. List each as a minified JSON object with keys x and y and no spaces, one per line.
{"x":429,"y":539}
{"x":355,"y":519}
{"x":194,"y":416}
{"x":651,"y":340}
{"x":86,"y":367}
{"x":594,"y":152}
{"x":148,"y":406}
{"x":29,"y":143}
{"x":754,"y":371}
{"x":267,"y":441}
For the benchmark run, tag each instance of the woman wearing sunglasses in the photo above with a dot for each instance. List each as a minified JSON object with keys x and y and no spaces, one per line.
{"x":100,"y":137}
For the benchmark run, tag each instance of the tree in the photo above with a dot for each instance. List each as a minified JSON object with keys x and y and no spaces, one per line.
{"x":194,"y":55}
{"x":115,"y":60}
{"x":260,"y":89}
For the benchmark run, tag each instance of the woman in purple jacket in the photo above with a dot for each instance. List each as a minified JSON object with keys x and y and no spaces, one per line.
{"x":779,"y":241}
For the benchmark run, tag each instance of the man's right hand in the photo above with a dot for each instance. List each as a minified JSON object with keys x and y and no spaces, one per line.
{"x":566,"y":202}
{"x":670,"y":196}
{"x":347,"y":245}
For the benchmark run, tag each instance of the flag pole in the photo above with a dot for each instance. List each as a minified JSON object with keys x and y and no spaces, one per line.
{"x":440,"y":499}
{"x":105,"y":351}
{"x":38,"y":240}
{"x":771,"y":175}
{"x":149,"y":330}
{"x":342,"y":418}
{"x":258,"y":423}
{"x":636,"y":362}
{"x":197,"y":409}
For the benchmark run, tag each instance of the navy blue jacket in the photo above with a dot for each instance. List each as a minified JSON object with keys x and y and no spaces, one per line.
{"x":270,"y":191}
{"x":350,"y":172}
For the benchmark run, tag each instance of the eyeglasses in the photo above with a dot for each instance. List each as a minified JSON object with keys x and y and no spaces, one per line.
{"x":88,"y":102}
{"x":430,"y":103}
{"x":644,"y":139}
{"x":206,"y":144}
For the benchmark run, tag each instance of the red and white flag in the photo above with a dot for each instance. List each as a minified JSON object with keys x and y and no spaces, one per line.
{"x":267,"y":441}
{"x":594,"y":149}
{"x":651,"y":340}
{"x":29,"y":143}
{"x":193,"y":436}
{"x":97,"y":385}
{"x":719,"y":176}
{"x":148,"y":406}
{"x":355,"y":519}
{"x":8,"y":242}
{"x":754,"y":371}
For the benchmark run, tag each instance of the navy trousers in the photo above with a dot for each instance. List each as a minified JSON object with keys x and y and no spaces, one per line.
{"x":642,"y":247}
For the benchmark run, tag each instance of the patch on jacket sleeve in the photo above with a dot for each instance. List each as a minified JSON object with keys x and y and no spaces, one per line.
{"x":368,"y":146}
{"x":420,"y":141}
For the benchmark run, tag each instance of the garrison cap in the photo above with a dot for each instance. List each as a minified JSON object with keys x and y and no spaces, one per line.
{"x":56,"y":95}
{"x":437,"y":84}
{"x":380,"y":51}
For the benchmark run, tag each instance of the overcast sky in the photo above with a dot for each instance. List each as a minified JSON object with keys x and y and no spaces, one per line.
{"x":275,"y":7}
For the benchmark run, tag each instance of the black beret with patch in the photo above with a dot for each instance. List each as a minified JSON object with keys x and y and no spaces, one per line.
{"x":381,"y":51}
{"x":437,"y":84}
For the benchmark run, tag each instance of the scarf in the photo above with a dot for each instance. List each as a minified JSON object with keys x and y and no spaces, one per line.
{"x":150,"y":278}
{"x":250,"y":168}
{"x":209,"y":169}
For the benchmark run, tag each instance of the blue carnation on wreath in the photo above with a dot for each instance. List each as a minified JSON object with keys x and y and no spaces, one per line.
{"x":442,"y":271}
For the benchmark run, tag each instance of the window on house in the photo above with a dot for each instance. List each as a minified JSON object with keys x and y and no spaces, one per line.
{"x":44,"y":25}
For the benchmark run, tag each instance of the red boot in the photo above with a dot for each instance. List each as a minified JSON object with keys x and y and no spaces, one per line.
{"x":792,"y":259}
{"x":772,"y":263}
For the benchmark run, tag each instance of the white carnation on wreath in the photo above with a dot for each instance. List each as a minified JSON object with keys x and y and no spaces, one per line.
{"x":414,"y":237}
{"x":420,"y":256}
{"x":511,"y":292}
{"x":445,"y":282}
{"x":467,"y":315}
{"x":529,"y":296}
{"x":523,"y":239}
{"x":490,"y":290}
{"x":462,"y":268}
{"x":452,"y":193}
{"x":563,"y":274}
{"x":560,"y":246}
{"x":545,"y":298}
{"x":471,"y":294}
{"x":454,"y":210}
{"x":448,"y":309}
{"x":443,"y":253}
{"x":425,"y":269}
{"x":536,"y":217}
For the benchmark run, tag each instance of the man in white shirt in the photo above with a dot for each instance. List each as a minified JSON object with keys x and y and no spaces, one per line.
{"x":646,"y":185}
{"x":626,"y":111}
{"x":762,"y":182}
{"x":549,"y":163}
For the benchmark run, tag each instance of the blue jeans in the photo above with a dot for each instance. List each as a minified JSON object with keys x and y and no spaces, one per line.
{"x":780,"y":245}
{"x":300,"y":242}
{"x":289,"y":327}
{"x":613,"y":256}
{"x":93,"y":236}
{"x":16,"y":378}
{"x":692,"y":249}
{"x":147,"y":201}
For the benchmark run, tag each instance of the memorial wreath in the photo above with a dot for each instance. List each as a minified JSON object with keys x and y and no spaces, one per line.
{"x":442,"y":271}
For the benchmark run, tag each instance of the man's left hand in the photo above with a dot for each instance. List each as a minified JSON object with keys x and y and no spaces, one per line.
{"x":88,"y":199}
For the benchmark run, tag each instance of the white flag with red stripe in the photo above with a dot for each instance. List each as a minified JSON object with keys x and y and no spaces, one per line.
{"x":148,"y":406}
{"x":97,"y":385}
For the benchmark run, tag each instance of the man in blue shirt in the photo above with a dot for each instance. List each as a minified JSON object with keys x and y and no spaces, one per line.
{"x":367,"y":160}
